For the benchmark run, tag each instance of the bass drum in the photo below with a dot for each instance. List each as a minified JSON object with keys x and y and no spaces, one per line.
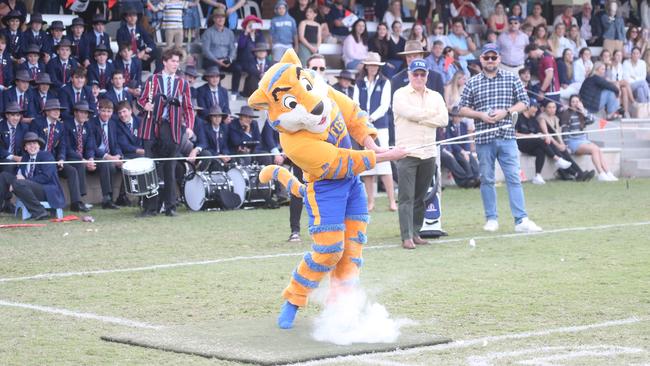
{"x":203,"y":191}
{"x":245,"y":180}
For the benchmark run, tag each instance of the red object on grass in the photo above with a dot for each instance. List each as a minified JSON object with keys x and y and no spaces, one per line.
{"x":602,"y":123}
{"x":12,"y":226}
{"x":66,"y":218}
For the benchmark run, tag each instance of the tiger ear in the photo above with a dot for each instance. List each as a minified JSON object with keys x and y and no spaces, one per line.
{"x":290,"y":57}
{"x":258,"y":100}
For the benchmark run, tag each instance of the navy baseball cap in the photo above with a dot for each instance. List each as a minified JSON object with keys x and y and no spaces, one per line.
{"x":513,"y":18}
{"x":418,"y":64}
{"x":490,"y":47}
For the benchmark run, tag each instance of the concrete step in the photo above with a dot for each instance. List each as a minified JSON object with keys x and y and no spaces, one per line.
{"x":635,"y":153}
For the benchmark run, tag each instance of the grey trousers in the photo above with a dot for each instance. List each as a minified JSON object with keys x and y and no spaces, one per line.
{"x":414,"y":179}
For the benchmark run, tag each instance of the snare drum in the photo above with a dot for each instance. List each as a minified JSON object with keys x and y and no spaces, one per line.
{"x":204,"y":190}
{"x":140,"y":177}
{"x":247,"y":186}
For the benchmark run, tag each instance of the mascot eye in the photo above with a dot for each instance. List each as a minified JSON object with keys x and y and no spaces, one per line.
{"x":289,"y":101}
{"x":306,"y":84}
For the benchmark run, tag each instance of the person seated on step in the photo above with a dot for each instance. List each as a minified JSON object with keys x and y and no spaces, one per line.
{"x":531,"y":141}
{"x":107,"y":149}
{"x":34,"y":183}
{"x":245,"y":138}
{"x":213,"y":141}
{"x":50,"y":128}
{"x":11,"y":145}
{"x":80,"y":146}
{"x":575,"y":119}
{"x":457,"y":157}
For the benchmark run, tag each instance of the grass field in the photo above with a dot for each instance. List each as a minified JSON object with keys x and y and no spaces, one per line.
{"x":577,"y":294}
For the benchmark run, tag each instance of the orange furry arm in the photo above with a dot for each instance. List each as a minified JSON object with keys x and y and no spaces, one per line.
{"x":356,"y":119}
{"x":322,"y":160}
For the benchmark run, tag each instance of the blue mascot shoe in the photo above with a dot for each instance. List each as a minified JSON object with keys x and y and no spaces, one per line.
{"x":287,"y":315}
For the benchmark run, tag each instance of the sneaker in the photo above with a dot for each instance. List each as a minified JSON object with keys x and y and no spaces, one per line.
{"x":491,"y":225}
{"x":562,"y":164}
{"x":294,"y":237}
{"x":612,"y":177}
{"x":603,"y":177}
{"x":538,"y":179}
{"x":527,"y":226}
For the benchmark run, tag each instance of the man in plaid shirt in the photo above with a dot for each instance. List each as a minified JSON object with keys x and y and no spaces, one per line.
{"x":493,"y":99}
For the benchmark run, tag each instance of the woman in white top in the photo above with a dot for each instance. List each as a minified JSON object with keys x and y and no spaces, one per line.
{"x":394,"y":13}
{"x":583,"y":65}
{"x":438,"y":34}
{"x":557,"y":41}
{"x":635,"y":72}
{"x":372,"y":92}
{"x":576,"y":40}
{"x":615,"y":75}
{"x":355,"y":46}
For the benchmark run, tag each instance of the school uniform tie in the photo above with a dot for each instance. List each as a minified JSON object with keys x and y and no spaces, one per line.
{"x":32,"y":166}
{"x":169,"y":86}
{"x":2,"y":71}
{"x":215,"y":98}
{"x":33,"y":72}
{"x":50,"y":137}
{"x":65,"y":72}
{"x":105,"y":136}
{"x":43,"y":100}
{"x":134,"y":43}
{"x":80,"y":139}
{"x":130,"y":126}
{"x":127,"y":72}
{"x":21,"y":101}
{"x":102,"y":80}
{"x":77,"y":97}
{"x":12,"y":140}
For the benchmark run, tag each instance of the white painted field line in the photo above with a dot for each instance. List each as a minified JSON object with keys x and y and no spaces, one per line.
{"x":80,"y":315}
{"x":295,"y":254}
{"x":485,"y":340}
{"x":554,"y":354}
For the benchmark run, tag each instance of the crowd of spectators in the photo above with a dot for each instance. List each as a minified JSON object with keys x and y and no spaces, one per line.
{"x":553,"y":54}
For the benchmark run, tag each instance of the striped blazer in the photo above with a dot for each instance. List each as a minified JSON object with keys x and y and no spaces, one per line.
{"x":178,"y":115}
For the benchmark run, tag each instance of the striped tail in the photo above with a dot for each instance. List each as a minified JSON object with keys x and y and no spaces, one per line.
{"x":282,"y":175}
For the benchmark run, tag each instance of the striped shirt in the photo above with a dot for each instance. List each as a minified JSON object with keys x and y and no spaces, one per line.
{"x":483,"y":94}
{"x":172,"y":14}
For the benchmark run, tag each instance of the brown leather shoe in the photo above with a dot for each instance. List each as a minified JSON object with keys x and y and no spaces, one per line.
{"x":408,"y":244}
{"x":419,"y":241}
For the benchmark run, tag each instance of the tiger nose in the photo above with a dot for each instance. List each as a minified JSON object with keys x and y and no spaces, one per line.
{"x":318,"y":109}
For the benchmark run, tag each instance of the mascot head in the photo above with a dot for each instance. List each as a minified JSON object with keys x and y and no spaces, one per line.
{"x":295,"y":98}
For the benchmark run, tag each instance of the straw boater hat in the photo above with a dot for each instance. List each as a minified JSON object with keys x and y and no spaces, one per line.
{"x":413,"y":47}
{"x":373,"y":58}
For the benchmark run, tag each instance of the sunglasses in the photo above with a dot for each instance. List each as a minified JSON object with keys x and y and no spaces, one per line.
{"x":318,"y":68}
{"x":513,"y":22}
{"x":490,"y":58}
{"x":419,"y":74}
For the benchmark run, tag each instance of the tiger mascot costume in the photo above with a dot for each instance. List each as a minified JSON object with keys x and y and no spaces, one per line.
{"x":316,"y":123}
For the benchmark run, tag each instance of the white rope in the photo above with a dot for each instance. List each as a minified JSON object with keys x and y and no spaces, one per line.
{"x":450,"y":141}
